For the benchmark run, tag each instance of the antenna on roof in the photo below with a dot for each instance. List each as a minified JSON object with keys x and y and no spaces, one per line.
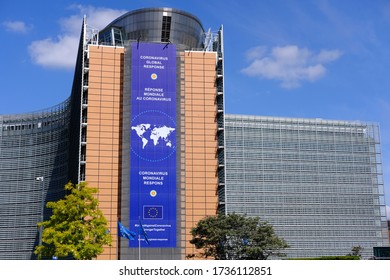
{"x":166,"y":46}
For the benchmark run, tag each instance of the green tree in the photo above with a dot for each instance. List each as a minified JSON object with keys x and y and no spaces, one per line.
{"x":356,"y":251}
{"x":233,"y":236}
{"x":77,"y":228}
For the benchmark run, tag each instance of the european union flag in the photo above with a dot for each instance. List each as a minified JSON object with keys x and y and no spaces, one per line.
{"x":143,"y":232}
{"x":153,"y":212}
{"x":125,"y":232}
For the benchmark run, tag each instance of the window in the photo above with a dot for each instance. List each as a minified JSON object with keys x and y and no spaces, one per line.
{"x":166,"y":29}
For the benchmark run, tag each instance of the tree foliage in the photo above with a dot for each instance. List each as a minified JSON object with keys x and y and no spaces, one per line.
{"x":356,"y":251}
{"x":77,"y":228}
{"x":233,"y":236}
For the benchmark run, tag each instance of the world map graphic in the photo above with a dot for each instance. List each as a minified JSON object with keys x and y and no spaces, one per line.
{"x":154,"y":133}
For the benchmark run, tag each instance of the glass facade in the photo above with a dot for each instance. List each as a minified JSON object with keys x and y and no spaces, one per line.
{"x":31,"y":146}
{"x":318,"y":182}
{"x":156,"y":25}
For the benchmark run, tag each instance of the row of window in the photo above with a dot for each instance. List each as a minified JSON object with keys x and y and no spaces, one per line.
{"x":344,"y":244}
{"x":300,"y":167}
{"x":28,"y":141}
{"x":262,"y":210}
{"x":322,"y":221}
{"x":261,"y":131}
{"x":239,"y":154}
{"x":30,"y":126}
{"x":293,"y":177}
{"x":283,"y":188}
{"x":243,"y":122}
{"x":320,"y":147}
{"x":254,"y":200}
{"x":323,"y":232}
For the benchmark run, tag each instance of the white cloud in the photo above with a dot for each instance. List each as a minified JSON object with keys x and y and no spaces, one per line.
{"x":16,"y":26}
{"x":61,"y":51}
{"x":326,"y":56}
{"x":102,"y":17}
{"x":289,"y":64}
{"x":256,"y":52}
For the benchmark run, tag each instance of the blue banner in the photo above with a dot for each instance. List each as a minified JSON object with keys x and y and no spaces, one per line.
{"x":153,"y":143}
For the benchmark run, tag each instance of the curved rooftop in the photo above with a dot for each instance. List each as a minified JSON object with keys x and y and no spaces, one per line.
{"x":158,"y":25}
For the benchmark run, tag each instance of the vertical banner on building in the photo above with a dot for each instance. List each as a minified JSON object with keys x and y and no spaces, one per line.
{"x":153,"y":143}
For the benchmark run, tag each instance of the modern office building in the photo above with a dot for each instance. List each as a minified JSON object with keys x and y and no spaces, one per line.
{"x":318,"y":182}
{"x":141,"y":125}
{"x":145,"y":124}
{"x":34,"y":154}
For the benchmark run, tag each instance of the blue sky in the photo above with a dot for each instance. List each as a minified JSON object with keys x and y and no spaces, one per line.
{"x":325,"y":59}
